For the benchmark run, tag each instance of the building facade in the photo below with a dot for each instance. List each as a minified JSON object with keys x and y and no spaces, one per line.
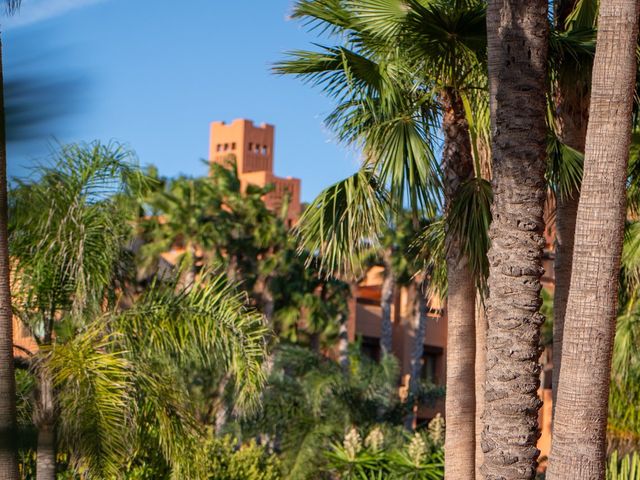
{"x":253,"y":148}
{"x":365,"y":322}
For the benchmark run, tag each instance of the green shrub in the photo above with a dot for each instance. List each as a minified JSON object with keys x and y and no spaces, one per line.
{"x":408,"y":457}
{"x":625,"y":468}
{"x":230,"y":461}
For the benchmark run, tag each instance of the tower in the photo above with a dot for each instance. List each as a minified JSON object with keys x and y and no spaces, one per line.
{"x":252,"y":147}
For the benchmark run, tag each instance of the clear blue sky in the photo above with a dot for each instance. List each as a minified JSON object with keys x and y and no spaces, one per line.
{"x":156,"y":72}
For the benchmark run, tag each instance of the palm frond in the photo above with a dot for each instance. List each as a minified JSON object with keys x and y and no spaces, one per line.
{"x":449,"y":37}
{"x":468,"y":221}
{"x":327,"y":15}
{"x":340,"y":72}
{"x":93,"y":380}
{"x":564,"y":167}
{"x":343,"y":222}
{"x":384,"y":18}
{"x":207,"y":323}
{"x":165,"y":419}
{"x":400,"y":147}
{"x":630,"y":260}
{"x":11,"y":6}
{"x":583,"y":13}
{"x":68,"y":226}
{"x":626,"y":357}
{"x":430,"y":245}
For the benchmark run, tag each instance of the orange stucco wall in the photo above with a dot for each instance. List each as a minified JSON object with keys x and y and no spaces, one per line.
{"x":253,"y":148}
{"x":365,"y":321}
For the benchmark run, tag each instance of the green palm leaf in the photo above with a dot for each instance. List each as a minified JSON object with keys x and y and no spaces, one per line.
{"x":207,"y":323}
{"x":344,"y":222}
{"x":93,"y":379}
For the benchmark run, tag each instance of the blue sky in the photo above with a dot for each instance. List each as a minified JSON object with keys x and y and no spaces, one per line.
{"x":155,"y":73}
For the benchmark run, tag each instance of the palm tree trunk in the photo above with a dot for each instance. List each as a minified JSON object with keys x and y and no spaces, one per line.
{"x":572,"y":103}
{"x":517,"y":53}
{"x":460,"y":402}
{"x":45,"y":422}
{"x":578,"y":447}
{"x":386,"y":301}
{"x":262,"y":290}
{"x":566,"y":211}
{"x":46,"y":457}
{"x":222,"y":413}
{"x":343,"y":343}
{"x":8,"y":440}
{"x":481,"y":357}
{"x":419,"y":331}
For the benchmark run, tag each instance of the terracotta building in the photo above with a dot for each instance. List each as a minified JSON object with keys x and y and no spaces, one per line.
{"x":253,"y":146}
{"x":365,"y":323}
{"x":253,"y":149}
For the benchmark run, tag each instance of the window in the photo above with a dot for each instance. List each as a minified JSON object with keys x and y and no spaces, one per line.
{"x":226,"y":147}
{"x":257,"y":148}
{"x":218,"y":147}
{"x":370,"y":347}
{"x":430,"y":359}
{"x":264,"y":149}
{"x":233,"y":145}
{"x":250,"y":146}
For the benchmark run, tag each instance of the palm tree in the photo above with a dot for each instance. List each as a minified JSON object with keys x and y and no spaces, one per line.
{"x":182,"y":217}
{"x":67,"y":233}
{"x":578,"y":447}
{"x":69,"y":229}
{"x":517,"y":56}
{"x":247,"y":237}
{"x":392,"y":100}
{"x":8,"y":457}
{"x":570,"y":86}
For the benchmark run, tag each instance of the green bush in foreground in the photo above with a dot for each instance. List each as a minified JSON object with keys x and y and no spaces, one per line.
{"x":625,"y":468}
{"x":249,"y":461}
{"x":408,"y":457}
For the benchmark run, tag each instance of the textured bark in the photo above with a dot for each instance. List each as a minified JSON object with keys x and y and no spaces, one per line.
{"x":572,"y":105}
{"x":419,"y":331}
{"x":265,"y":295}
{"x":481,"y":357}
{"x":566,"y":211}
{"x":343,"y":343}
{"x":44,"y":419}
{"x":8,"y":441}
{"x":460,"y":399}
{"x":517,"y":52}
{"x":386,"y":301}
{"x":46,"y":456}
{"x":578,"y":447}
{"x":419,"y":328}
